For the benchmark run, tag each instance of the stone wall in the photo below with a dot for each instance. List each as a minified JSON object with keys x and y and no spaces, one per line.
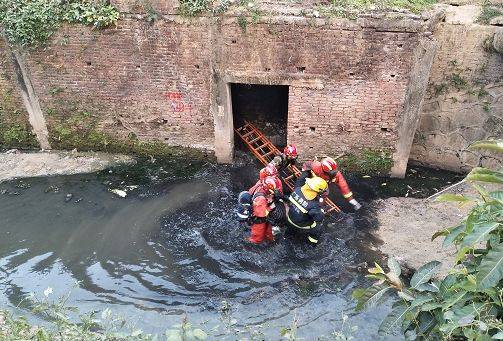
{"x":464,"y":102}
{"x":168,"y":79}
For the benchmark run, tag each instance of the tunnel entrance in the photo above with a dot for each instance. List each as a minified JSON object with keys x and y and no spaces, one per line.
{"x":266,"y":106}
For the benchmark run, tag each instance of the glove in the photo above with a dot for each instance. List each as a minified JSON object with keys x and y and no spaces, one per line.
{"x":276,"y":230}
{"x":356,"y":204}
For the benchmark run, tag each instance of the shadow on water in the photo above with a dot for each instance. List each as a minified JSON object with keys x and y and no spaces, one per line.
{"x":172,"y":246}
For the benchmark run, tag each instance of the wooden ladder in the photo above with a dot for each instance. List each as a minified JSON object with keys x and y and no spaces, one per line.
{"x":265,"y":151}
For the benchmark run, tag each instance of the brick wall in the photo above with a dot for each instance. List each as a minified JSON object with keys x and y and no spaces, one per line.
{"x":348,"y":80}
{"x":355,"y":80}
{"x":148,"y":80}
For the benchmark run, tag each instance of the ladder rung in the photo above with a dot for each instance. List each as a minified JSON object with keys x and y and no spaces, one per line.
{"x":255,"y":140}
{"x":248,"y":133}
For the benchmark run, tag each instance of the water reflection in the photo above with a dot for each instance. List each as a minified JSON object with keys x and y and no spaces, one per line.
{"x":172,"y":246}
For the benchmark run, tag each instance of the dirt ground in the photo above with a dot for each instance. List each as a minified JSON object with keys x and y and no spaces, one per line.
{"x":15,"y":164}
{"x":407,"y":224}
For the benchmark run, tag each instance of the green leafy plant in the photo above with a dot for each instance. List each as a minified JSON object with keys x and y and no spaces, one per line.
{"x":488,"y":12}
{"x":27,"y":22}
{"x":468,"y":302}
{"x":350,"y":9}
{"x":368,"y":161}
{"x":90,"y":14}
{"x":242,"y":22}
{"x":486,"y":106}
{"x":32,"y":22}
{"x":192,"y":8}
{"x":458,"y":82}
{"x":95,"y":325}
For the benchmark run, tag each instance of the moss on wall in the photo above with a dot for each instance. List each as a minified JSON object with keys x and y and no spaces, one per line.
{"x":368,"y":161}
{"x":81,"y":131}
{"x":15,"y":130}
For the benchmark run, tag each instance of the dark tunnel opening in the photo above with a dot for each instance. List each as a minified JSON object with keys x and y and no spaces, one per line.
{"x":266,"y":106}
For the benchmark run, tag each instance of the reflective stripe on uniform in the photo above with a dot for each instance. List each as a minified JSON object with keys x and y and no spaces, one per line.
{"x":350,"y":194}
{"x":313,"y":225}
{"x":297,"y":226}
{"x":299,"y":206}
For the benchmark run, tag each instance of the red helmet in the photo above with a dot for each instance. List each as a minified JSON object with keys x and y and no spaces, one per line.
{"x":270,"y":183}
{"x":329,"y":166}
{"x":290,"y":151}
{"x":268,"y":170}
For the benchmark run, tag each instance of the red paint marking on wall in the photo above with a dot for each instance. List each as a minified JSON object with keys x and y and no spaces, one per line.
{"x":174,"y":95}
{"x":177,"y":103}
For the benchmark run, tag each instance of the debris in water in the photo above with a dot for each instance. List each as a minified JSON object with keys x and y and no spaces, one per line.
{"x":119,"y":192}
{"x":366,"y":176}
{"x":22,"y":184}
{"x":383,"y":184}
{"x":51,"y":188}
{"x":68,"y":197}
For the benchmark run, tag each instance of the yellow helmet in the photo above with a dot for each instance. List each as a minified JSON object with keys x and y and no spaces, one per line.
{"x":317,"y":184}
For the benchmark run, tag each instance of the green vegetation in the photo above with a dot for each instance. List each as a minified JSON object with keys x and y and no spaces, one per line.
{"x":488,"y":12}
{"x":368,"y":161}
{"x":32,"y":22}
{"x":15,"y":130}
{"x":454,"y":81}
{"x":242,"y":22}
{"x":458,"y":82}
{"x":191,"y":8}
{"x":106,"y":326}
{"x":81,"y":131}
{"x":468,"y":302}
{"x":352,"y":8}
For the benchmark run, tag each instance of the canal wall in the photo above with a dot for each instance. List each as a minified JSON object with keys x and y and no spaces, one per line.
{"x":464,"y":101}
{"x":354,"y":85}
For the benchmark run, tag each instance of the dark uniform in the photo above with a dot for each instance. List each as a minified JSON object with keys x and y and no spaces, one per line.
{"x":305,"y":215}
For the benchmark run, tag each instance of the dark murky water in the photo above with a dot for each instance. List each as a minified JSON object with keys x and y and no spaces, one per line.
{"x":172,"y":246}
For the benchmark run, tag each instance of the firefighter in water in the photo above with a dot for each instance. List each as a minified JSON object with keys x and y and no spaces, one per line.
{"x":267,"y":171}
{"x":285,"y":159}
{"x":304,"y":213}
{"x":255,"y":205}
{"x":326,"y":169}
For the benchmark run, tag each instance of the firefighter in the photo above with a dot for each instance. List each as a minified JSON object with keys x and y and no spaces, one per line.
{"x":304,"y":213}
{"x":262,"y":203}
{"x":267,"y":171}
{"x":285,"y":159}
{"x":327,"y":170}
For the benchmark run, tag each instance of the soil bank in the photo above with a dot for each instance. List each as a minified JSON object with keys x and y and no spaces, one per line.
{"x":15,"y":164}
{"x":407,"y":224}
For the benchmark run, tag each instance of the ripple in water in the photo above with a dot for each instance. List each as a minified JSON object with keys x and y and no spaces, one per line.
{"x":172,"y":246}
